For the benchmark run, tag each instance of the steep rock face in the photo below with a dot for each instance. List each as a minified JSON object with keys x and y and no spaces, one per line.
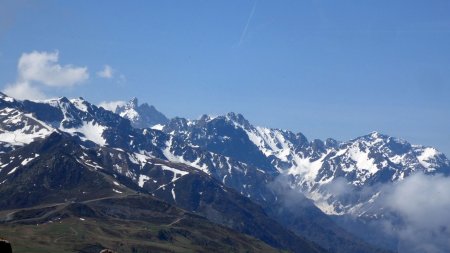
{"x":18,"y":129}
{"x":219,"y":136}
{"x":23,"y":122}
{"x":141,"y":116}
{"x":342,"y":178}
{"x":196,"y":191}
{"x":315,"y":167}
{"x":56,"y":169}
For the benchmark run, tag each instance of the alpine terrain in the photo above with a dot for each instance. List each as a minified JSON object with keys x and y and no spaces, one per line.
{"x":215,"y":183}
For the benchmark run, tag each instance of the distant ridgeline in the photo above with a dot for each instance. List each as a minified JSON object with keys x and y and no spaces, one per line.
{"x":274,"y":185}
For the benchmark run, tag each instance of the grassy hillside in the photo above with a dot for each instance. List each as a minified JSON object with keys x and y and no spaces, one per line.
{"x":131,"y":224}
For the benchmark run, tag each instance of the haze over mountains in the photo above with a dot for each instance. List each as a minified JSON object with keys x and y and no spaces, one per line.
{"x":274,"y":185}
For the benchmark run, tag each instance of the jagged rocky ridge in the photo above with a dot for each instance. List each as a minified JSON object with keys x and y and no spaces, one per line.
{"x":313,"y":166}
{"x":141,"y":115}
{"x":79,"y":164}
{"x":341,"y":178}
{"x":259,"y":163}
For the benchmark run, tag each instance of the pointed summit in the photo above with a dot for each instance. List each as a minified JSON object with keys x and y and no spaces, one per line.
{"x":238,"y":119}
{"x":141,"y":116}
{"x":133,"y":103}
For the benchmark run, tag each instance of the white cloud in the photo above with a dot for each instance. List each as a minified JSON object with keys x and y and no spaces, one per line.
{"x":339,"y":187}
{"x":23,"y":90}
{"x":40,"y":69}
{"x":423,"y":203}
{"x":107,"y":72}
{"x":43,"y":67}
{"x":112,"y":105}
{"x":415,"y":211}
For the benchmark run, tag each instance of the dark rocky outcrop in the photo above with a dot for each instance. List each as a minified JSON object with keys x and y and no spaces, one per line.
{"x":5,"y":246}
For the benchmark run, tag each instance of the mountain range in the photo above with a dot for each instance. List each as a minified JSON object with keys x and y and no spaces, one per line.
{"x":274,"y":185}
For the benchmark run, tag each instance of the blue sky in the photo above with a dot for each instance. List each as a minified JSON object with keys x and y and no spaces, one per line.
{"x":326,"y":68}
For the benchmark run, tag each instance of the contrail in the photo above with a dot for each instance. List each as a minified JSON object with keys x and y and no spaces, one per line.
{"x":244,"y":32}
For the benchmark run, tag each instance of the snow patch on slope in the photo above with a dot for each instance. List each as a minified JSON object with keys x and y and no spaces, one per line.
{"x":180,"y":159}
{"x":80,"y":104}
{"x":28,"y":160}
{"x":427,"y":156}
{"x":19,"y":129}
{"x":362,"y":160}
{"x":177,"y":174}
{"x":158,"y":127}
{"x":130,"y":114}
{"x":142,"y":180}
{"x":91,"y":131}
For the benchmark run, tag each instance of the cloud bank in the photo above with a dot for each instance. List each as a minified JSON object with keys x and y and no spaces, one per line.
{"x":423,"y":203}
{"x":39,"y":69}
{"x":416,"y":212}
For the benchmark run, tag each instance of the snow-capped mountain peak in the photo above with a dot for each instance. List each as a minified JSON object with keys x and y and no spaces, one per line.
{"x":133,"y":103}
{"x":338,"y":176}
{"x":37,"y":119}
{"x":372,"y":159}
{"x":230,"y":148}
{"x":80,"y":104}
{"x":237,"y":119}
{"x":141,"y":116}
